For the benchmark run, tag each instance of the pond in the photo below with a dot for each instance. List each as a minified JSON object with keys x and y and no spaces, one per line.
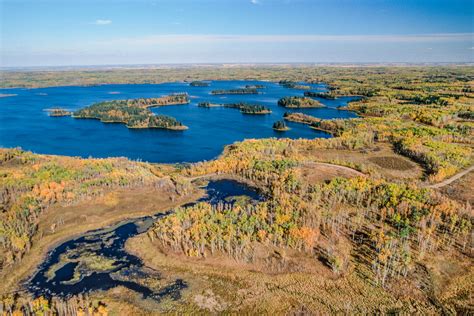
{"x":98,"y":261}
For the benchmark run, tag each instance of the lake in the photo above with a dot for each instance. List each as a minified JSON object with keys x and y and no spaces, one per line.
{"x":24,"y":123}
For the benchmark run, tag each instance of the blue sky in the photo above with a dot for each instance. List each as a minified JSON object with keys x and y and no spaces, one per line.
{"x":75,"y":32}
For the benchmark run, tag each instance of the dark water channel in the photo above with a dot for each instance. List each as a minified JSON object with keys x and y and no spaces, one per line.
{"x":98,"y":261}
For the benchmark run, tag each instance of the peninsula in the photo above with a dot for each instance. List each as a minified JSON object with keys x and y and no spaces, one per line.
{"x":322,"y":95}
{"x":300,"y":118}
{"x":57,"y":112}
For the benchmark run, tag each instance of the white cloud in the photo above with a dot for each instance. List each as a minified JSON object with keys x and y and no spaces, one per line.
{"x":255,"y":1}
{"x":102,"y":22}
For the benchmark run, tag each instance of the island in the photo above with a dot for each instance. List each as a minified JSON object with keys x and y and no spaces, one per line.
{"x":199,"y":84}
{"x":299,"y":102}
{"x":244,"y":108}
{"x":57,"y":112}
{"x":322,"y":95}
{"x":280,"y":126}
{"x":135,"y":113}
{"x":293,"y":85}
{"x":236,"y":91}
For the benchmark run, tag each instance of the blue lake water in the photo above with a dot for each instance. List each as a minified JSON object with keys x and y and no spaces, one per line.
{"x":24,"y":123}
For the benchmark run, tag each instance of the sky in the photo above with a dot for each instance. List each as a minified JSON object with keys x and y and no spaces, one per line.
{"x":112,"y":32}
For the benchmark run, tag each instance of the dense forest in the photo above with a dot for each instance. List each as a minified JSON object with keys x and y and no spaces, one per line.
{"x":323,"y":95}
{"x":293,"y":85}
{"x":135,"y":113}
{"x":280,"y":126}
{"x":299,"y":102}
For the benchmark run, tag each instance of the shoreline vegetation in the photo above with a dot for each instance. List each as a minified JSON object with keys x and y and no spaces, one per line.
{"x":322,"y":95}
{"x":311,"y":121}
{"x":235,"y":91}
{"x":293,"y":85}
{"x":299,"y":102}
{"x":300,"y":118}
{"x":58,"y":112}
{"x":135,"y":113}
{"x":252,"y":109}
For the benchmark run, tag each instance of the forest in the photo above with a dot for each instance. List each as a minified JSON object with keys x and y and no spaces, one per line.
{"x":323,"y":95}
{"x":280,"y":126}
{"x":299,"y":102}
{"x":293,"y":85}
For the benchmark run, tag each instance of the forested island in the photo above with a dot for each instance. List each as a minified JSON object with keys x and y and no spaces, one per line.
{"x":299,"y":102}
{"x":199,"y":84}
{"x":293,"y":85}
{"x":135,"y":113}
{"x":57,"y":112}
{"x":236,"y":91}
{"x":243,"y":107}
{"x":280,"y":126}
{"x":323,"y":95}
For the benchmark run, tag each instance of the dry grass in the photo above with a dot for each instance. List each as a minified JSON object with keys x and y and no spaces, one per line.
{"x":461,"y":189}
{"x":316,"y":173}
{"x":381,"y":161}
{"x":221,"y":284}
{"x":75,"y":220}
{"x":392,"y":162}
